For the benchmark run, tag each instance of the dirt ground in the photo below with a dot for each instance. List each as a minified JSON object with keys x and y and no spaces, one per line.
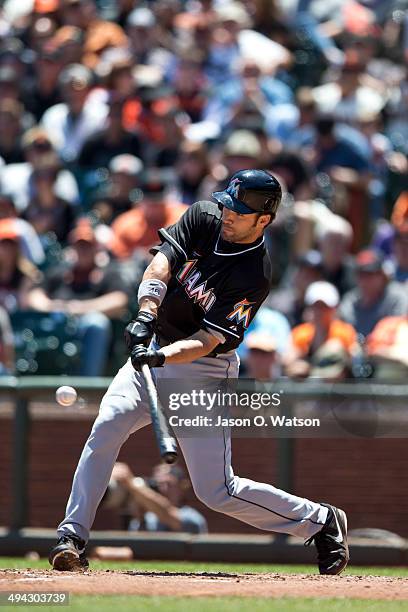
{"x":121,"y":582}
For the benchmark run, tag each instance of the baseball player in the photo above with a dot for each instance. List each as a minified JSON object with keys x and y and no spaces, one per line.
{"x":209,"y":276}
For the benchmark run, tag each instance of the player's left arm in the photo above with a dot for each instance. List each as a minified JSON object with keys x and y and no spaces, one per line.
{"x":189,"y":349}
{"x":183,"y":351}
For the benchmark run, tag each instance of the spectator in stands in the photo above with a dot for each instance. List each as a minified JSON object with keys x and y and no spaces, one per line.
{"x":165,"y":12}
{"x":117,"y":70}
{"x":400,"y":210}
{"x":233,"y":38}
{"x":251,"y":92}
{"x":46,"y":211}
{"x":241,"y":150}
{"x":401,"y":252}
{"x":386,"y":348}
{"x":12,"y":53}
{"x":137,"y":229}
{"x":333,"y":152}
{"x":190,"y":84}
{"x":289,"y":297}
{"x":375,"y":296}
{"x":295,"y":173}
{"x":351,"y":95}
{"x":305,"y":132}
{"x":343,"y":176}
{"x":42,"y":91}
{"x":267,"y":322}
{"x":17,"y":274}
{"x":331,"y":362}
{"x":11,"y":129}
{"x":384,"y":236}
{"x":100,"y":148}
{"x":155,"y":503}
{"x":122,"y":191}
{"x":89,"y":292}
{"x":123,"y":8}
{"x":196,"y":29}
{"x":68,"y":42}
{"x":10,"y":85}
{"x":324,"y":340}
{"x":142,"y":31}
{"x":6,"y":344}
{"x":167,"y":120}
{"x":334,"y":241}
{"x":17,"y":179}
{"x":41,"y":29}
{"x":99,"y":34}
{"x":31,"y":246}
{"x":69,"y":124}
{"x":192,"y":168}
{"x":262,"y":361}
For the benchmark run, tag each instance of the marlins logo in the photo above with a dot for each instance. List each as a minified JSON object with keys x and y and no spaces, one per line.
{"x":233,"y":187}
{"x":241,"y":312}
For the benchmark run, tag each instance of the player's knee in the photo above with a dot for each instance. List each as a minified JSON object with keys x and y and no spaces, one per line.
{"x":215,"y":499}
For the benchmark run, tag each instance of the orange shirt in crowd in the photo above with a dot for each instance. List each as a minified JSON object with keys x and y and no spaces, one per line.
{"x":389,"y":338}
{"x":400,"y":211}
{"x":131,"y":230}
{"x":302,"y":335}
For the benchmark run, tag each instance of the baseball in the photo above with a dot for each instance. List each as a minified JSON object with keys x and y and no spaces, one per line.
{"x":65,"y":395}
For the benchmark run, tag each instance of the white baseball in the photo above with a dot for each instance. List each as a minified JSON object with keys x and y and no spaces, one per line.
{"x":66,"y":395}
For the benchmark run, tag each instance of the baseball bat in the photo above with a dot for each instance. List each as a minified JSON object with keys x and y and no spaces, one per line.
{"x":167,"y":444}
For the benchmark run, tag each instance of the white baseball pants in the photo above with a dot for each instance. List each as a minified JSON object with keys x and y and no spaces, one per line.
{"x":124,"y":409}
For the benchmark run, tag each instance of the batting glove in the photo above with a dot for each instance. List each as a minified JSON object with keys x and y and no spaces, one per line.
{"x":140,"y":355}
{"x":140,"y":330}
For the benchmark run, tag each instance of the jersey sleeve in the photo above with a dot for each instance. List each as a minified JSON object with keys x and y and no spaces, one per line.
{"x":232,"y":312}
{"x":179,"y":240}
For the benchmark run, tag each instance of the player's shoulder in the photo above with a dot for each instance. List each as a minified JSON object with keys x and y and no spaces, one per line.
{"x":206,"y":210}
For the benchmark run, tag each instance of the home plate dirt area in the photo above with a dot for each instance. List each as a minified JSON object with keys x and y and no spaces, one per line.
{"x":122,"y":582}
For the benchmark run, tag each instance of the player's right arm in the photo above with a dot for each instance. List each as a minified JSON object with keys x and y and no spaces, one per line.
{"x":183,"y":351}
{"x":177,"y":241}
{"x":159,"y":268}
{"x":151,"y":292}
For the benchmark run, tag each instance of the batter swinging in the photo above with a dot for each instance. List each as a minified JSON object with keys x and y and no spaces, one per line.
{"x":208,"y":278}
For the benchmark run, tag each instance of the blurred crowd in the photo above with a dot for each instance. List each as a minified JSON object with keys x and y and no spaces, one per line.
{"x":116,"y":115}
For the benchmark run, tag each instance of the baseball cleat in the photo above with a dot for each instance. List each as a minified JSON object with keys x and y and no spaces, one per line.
{"x":331,"y":542}
{"x":68,"y":555}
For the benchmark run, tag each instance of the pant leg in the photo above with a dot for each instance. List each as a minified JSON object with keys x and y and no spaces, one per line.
{"x":124,"y":410}
{"x":208,"y":460}
{"x":262,"y":505}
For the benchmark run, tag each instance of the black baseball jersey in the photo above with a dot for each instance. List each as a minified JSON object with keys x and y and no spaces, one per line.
{"x":215,"y":285}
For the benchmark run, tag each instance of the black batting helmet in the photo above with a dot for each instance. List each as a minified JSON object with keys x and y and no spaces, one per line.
{"x":251,"y":191}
